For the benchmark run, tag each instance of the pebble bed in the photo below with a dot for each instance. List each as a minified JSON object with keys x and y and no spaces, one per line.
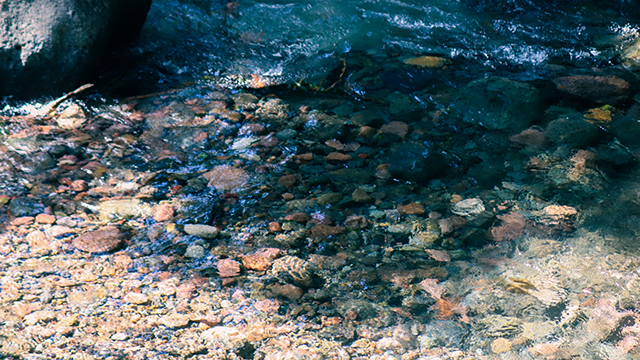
{"x":273,"y":223}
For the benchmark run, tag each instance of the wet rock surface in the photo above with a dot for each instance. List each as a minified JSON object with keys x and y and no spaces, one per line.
{"x":50,"y":47}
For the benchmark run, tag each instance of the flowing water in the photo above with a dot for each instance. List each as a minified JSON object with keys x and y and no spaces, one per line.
{"x":477,"y":158}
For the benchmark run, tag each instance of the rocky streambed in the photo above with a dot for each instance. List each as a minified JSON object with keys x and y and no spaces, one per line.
{"x":398,"y":210}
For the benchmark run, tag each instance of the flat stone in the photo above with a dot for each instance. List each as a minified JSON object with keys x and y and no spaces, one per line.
{"x":174,"y":321}
{"x":610,"y":90}
{"x":361,"y":196}
{"x":337,"y":156}
{"x":99,"y":241}
{"x":329,"y":199}
{"x":58,"y":230}
{"x":45,"y":219}
{"x":203,"y":231}
{"x":24,"y":220}
{"x":412,"y":209}
{"x":226,"y":178}
{"x":396,"y":127}
{"x":228,"y":268}
{"x":288,"y":291}
{"x":299,"y":217}
{"x":136,"y":298}
{"x":269,"y":306}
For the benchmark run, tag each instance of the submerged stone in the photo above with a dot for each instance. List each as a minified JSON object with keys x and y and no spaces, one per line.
{"x":99,"y":241}
{"x":610,"y":90}
{"x":500,"y":104}
{"x":226,"y":178}
{"x":203,"y":231}
{"x":414,"y":162}
{"x":25,"y":206}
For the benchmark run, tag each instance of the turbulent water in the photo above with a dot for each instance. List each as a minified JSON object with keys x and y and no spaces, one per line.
{"x":193,"y":39}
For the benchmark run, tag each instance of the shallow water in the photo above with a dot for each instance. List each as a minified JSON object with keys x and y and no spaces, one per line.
{"x":540,"y":259}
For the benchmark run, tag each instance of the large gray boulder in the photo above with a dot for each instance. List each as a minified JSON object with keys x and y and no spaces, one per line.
{"x":53,"y":46}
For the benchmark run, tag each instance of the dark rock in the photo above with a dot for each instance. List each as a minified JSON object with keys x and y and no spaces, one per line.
{"x":54,"y":46}
{"x":322,"y":127}
{"x":627,"y":127}
{"x":574,"y":130}
{"x":25,"y":206}
{"x":610,"y":90}
{"x":500,"y":104}
{"x":351,"y":176}
{"x":415,"y":162}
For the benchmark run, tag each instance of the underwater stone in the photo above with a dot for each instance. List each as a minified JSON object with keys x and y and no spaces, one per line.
{"x":500,"y":104}
{"x":414,"y":162}
{"x":203,"y":231}
{"x":25,"y":206}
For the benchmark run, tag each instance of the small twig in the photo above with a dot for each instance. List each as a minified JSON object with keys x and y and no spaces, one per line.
{"x":344,"y":69}
{"x":50,"y":108}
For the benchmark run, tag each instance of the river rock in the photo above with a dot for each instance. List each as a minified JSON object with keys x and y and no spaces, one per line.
{"x":414,"y":162}
{"x":500,"y":104}
{"x":203,"y":231}
{"x":25,"y":206}
{"x":610,"y":90}
{"x":49,"y":46}
{"x":574,"y":130}
{"x":103,"y":240}
{"x":627,"y":127}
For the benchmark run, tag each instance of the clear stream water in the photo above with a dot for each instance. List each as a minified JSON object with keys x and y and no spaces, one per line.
{"x":563,"y":289}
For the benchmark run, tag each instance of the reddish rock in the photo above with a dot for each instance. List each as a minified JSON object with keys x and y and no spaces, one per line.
{"x":336,"y":156}
{"x":228,"y":268}
{"x":79,"y":186}
{"x":163,"y":213}
{"x":185,"y":291}
{"x":301,"y":218}
{"x":288,"y":196}
{"x":288,"y":291}
{"x":275,"y":226}
{"x":261,"y":260}
{"x":511,"y":226}
{"x":305,"y":158}
{"x":25,"y":220}
{"x":530,"y":137}
{"x":103,"y":240}
{"x":270,"y":306}
{"x":412,"y":209}
{"x":288,"y":181}
{"x":45,"y":219}
{"x":324,"y":231}
{"x":37,"y":241}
